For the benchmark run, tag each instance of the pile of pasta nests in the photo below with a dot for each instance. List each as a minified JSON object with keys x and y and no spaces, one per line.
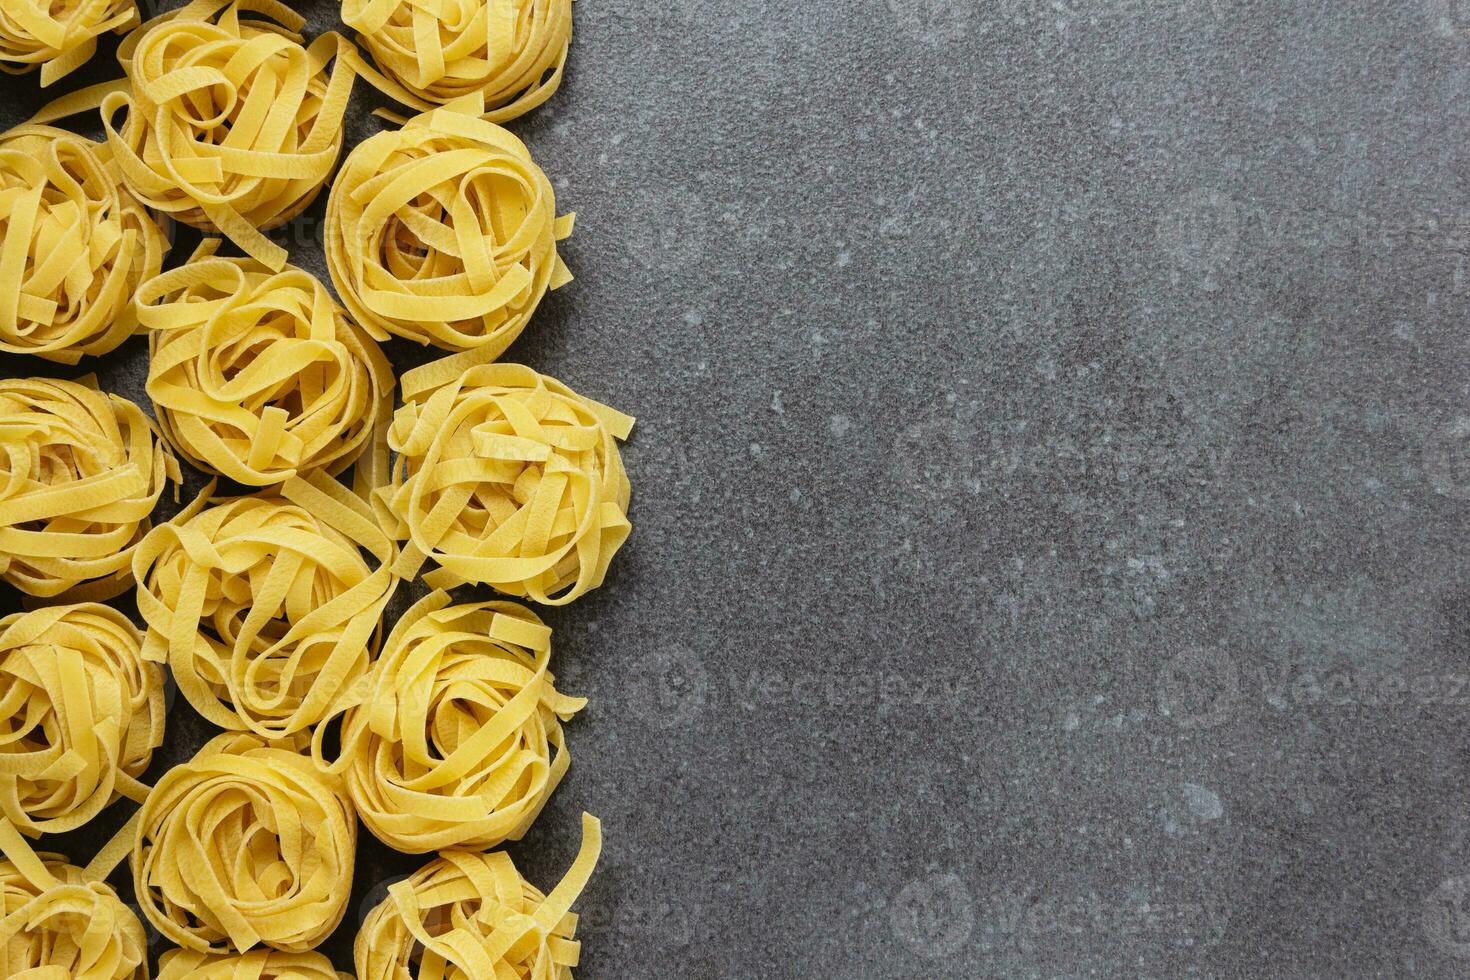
{"x":266,"y":603}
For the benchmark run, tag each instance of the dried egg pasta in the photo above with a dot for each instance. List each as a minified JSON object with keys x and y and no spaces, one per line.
{"x":508,"y":478}
{"x":455,"y":739}
{"x":58,"y":36}
{"x":259,"y":375}
{"x":80,"y":715}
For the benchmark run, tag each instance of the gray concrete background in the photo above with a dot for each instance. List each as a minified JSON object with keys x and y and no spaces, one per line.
{"x":1050,"y":488}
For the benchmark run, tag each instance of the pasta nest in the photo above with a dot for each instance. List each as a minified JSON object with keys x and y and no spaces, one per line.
{"x":232,"y":125}
{"x":512,"y":52}
{"x":264,"y":606}
{"x":508,"y":478}
{"x":469,"y":916}
{"x":245,"y":845}
{"x":57,"y":922}
{"x":75,"y":246}
{"x":259,"y":964}
{"x":58,"y":37}
{"x":456,"y":738}
{"x":445,"y":232}
{"x":259,"y":375}
{"x":80,"y":715}
{"x":80,"y":473}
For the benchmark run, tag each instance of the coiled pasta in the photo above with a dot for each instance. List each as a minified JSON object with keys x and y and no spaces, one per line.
{"x":264,"y":606}
{"x":74,"y":245}
{"x":57,"y":36}
{"x":471,"y":916}
{"x":80,"y":715}
{"x":57,"y":923}
{"x":80,"y":472}
{"x":508,"y":478}
{"x":259,"y":376}
{"x":456,"y":739}
{"x":244,"y":845}
{"x":259,"y":964}
{"x":511,"y":52}
{"x":445,"y":232}
{"x":232,"y":125}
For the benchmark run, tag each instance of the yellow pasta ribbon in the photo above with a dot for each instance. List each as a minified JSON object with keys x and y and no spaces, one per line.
{"x":232,"y":125}
{"x":59,"y":923}
{"x":264,"y":606}
{"x":259,"y":964}
{"x":471,"y":916}
{"x":455,"y":739}
{"x":80,"y":715}
{"x":259,"y":375}
{"x":74,"y":245}
{"x":245,"y":845}
{"x":507,"y":478}
{"x":510,"y":52}
{"x":80,"y":472}
{"x":58,"y":36}
{"x":445,"y":232}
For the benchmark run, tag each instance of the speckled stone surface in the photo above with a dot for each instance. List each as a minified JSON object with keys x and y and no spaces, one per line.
{"x":1051,"y":487}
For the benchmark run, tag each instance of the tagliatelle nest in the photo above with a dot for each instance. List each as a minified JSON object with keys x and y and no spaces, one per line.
{"x":508,"y":478}
{"x":55,"y":921}
{"x":259,"y":375}
{"x":456,"y":739}
{"x":245,"y":845}
{"x":80,"y":473}
{"x":445,"y":232}
{"x":512,"y":52}
{"x":80,"y":715}
{"x":264,"y":606}
{"x":57,"y":35}
{"x":74,"y":245}
{"x":471,"y":916}
{"x":259,"y":964}
{"x":232,"y":125}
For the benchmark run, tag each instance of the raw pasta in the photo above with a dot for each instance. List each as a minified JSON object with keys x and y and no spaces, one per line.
{"x":508,"y":478}
{"x":471,"y":916}
{"x":264,"y":606}
{"x":232,"y":125}
{"x":259,"y":376}
{"x":58,"y":923}
{"x":80,"y":715}
{"x":80,"y":472}
{"x":245,"y":845}
{"x":511,"y":52}
{"x":259,"y":964}
{"x":456,"y":739}
{"x":74,"y":245}
{"x":445,"y":232}
{"x":58,"y":36}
